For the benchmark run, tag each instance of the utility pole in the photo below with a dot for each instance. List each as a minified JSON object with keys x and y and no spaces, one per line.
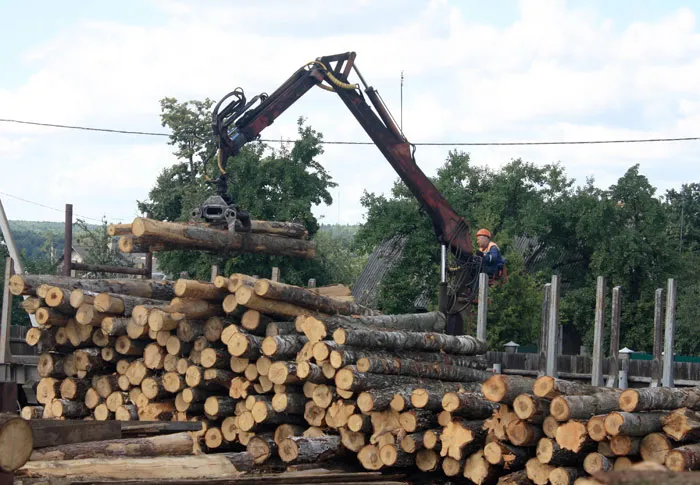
{"x":401,"y":115}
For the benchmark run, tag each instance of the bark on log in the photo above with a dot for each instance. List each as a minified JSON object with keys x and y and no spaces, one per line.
{"x":311,"y":372}
{"x":279,"y":328}
{"x":682,"y":424}
{"x":119,"y":304}
{"x":507,"y":456}
{"x":660,"y":398}
{"x":684,"y":458}
{"x":405,"y":367}
{"x":549,"y":452}
{"x":32,"y":412}
{"x":633,"y":424}
{"x":283,"y":347}
{"x":472,"y":405}
{"x":504,"y":389}
{"x":59,"y":299}
{"x":17,"y":441}
{"x":200,"y":289}
{"x":516,"y":478}
{"x":398,"y":340}
{"x":531,"y":408}
{"x":299,"y":449}
{"x":69,"y":409}
{"x":51,"y":317}
{"x":550,"y":387}
{"x":74,"y":389}
{"x":297,"y":295}
{"x":350,"y":379}
{"x":262,"y":447}
{"x":156,"y":289}
{"x":522,"y":433}
{"x":196,"y":236}
{"x":625,"y":445}
{"x":245,"y":345}
{"x":564,"y":408}
{"x":50,"y":365}
{"x":246,"y":297}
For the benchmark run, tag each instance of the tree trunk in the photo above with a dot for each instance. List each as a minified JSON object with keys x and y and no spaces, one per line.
{"x":506,"y":455}
{"x":396,"y":366}
{"x":682,"y":424}
{"x":564,"y":408}
{"x":245,"y":296}
{"x":549,"y":452}
{"x":118,"y":304}
{"x":200,"y":290}
{"x":156,"y":289}
{"x":196,"y":236}
{"x":504,"y":389}
{"x":660,"y":398}
{"x":16,"y":435}
{"x":299,"y":449}
{"x":69,"y":409}
{"x":283,"y":373}
{"x":531,"y":408}
{"x":297,"y":295}
{"x":398,"y":340}
{"x":550,"y":387}
{"x":633,"y":424}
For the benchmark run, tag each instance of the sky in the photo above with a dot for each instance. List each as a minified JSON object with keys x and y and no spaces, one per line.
{"x":474,"y":71}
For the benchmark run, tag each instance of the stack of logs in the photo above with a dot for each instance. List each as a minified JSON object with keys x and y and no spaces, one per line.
{"x":307,"y":375}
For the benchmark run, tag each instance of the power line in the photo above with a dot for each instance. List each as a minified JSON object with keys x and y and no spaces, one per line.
{"x":337,"y":142}
{"x":48,"y":207}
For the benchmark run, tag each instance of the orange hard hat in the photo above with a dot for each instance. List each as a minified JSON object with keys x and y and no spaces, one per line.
{"x":483,"y":232}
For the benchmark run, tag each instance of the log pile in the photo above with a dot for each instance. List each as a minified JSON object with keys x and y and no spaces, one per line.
{"x":293,"y":376}
{"x":276,"y":238}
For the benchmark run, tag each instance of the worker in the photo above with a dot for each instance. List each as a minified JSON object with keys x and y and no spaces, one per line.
{"x":492,"y":261}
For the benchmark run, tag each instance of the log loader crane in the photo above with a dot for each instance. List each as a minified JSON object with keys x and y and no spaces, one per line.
{"x":240,"y":121}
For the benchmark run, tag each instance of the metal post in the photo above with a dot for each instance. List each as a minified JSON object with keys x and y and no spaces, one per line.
{"x":613,"y":377}
{"x":443,"y":264}
{"x":214,"y":272}
{"x":311,"y":283}
{"x":597,"y":370}
{"x":68,"y":240}
{"x":275,"y":274}
{"x":544,"y":324}
{"x":482,"y":307}
{"x":553,"y":324}
{"x":670,"y":332}
{"x":656,"y":363}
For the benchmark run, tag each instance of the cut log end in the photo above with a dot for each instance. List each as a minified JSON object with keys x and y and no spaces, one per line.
{"x":15,"y":442}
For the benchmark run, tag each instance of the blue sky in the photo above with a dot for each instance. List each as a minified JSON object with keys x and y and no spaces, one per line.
{"x":475,"y":71}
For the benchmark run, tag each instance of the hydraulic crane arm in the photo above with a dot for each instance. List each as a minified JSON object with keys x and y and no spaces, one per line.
{"x":242,"y":121}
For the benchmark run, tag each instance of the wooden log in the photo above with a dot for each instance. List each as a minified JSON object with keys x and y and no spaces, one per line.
{"x":135,"y":331}
{"x":290,"y":403}
{"x":522,"y":433}
{"x":391,"y":456}
{"x":655,"y":447}
{"x":504,"y":389}
{"x":641,"y":474}
{"x":538,"y":472}
{"x":32,"y":412}
{"x":74,"y":389}
{"x":198,"y":467}
{"x":262,"y":447}
{"x":194,"y":308}
{"x":596,"y":427}
{"x":212,"y":329}
{"x":119,"y":304}
{"x":497,"y":424}
{"x":565,"y":475}
{"x":684,"y":458}
{"x":564,"y":408}
{"x":299,"y":449}
{"x":310,"y":372}
{"x":118,"y":229}
{"x":549,"y":452}
{"x":283,"y":347}
{"x":426,"y":370}
{"x":189,"y":330}
{"x":296,"y":295}
{"x":50,"y":317}
{"x":515,"y":478}
{"x":479,"y":470}
{"x":50,"y":365}
{"x":185,"y":288}
{"x":69,"y":409}
{"x":397,"y":340}
{"x":115,"y":326}
{"x":47,"y":389}
{"x":157,"y":411}
{"x":214,"y":358}
{"x":137,"y":372}
{"x":177,"y":348}
{"x":59,"y":299}
{"x":31,"y":304}
{"x":633,"y":424}
{"x":682,"y":424}
{"x":101,"y":339}
{"x":506,"y":455}
{"x":245,"y":345}
{"x":92,"y":399}
{"x":625,"y":445}
{"x":116,"y":399}
{"x":549,"y":387}
{"x":88,"y":315}
{"x":236,"y":280}
{"x":218,"y":377}
{"x":219,"y":406}
{"x":16,"y":440}
{"x":79,"y":297}
{"x":573,"y":436}
{"x":255,"y":322}
{"x":279,"y":328}
{"x":595,"y":462}
{"x":195,"y":236}
{"x":531,"y":408}
{"x":245,"y":296}
{"x":550,"y":426}
{"x":153,"y":356}
{"x":28,"y":284}
{"x":660,"y":398}
{"x":460,"y":438}
{"x":417,"y":420}
{"x":350,"y":379}
{"x":452,"y":467}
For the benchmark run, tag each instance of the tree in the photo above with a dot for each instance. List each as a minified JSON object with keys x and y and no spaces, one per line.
{"x":282,"y":184}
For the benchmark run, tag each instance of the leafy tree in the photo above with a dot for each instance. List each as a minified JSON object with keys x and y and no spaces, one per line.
{"x":282,"y":184}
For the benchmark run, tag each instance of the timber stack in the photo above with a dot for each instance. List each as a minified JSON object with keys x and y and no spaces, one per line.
{"x":276,"y":375}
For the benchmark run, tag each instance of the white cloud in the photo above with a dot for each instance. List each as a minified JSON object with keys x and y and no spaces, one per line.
{"x":554,"y":73}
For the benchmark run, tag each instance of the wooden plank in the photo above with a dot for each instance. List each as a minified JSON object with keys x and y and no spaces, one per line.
{"x":658,"y":338}
{"x":669,"y":333}
{"x":597,"y":371}
{"x":48,"y":432}
{"x":544,"y":324}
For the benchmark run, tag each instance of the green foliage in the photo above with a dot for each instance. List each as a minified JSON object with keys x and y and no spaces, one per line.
{"x":281,"y":184}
